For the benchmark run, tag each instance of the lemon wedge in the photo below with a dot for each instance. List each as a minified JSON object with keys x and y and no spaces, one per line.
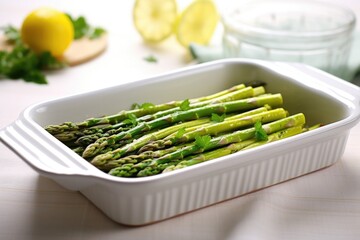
{"x":155,"y":19}
{"x":197,"y":23}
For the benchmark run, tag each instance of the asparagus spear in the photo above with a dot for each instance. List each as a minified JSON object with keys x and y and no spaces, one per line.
{"x":109,"y":160}
{"x":196,"y":113}
{"x":136,"y":158}
{"x":216,"y":128}
{"x":136,"y":144}
{"x":84,"y":137}
{"x":234,"y":147}
{"x":149,"y":167}
{"x":113,"y":119}
{"x":234,"y":123}
{"x":87,"y":136}
{"x":129,"y":169}
{"x":236,"y":116}
{"x":232,"y":96}
{"x":159,"y":164}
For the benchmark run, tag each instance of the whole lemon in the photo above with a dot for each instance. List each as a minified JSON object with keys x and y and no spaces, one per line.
{"x":47,"y":29}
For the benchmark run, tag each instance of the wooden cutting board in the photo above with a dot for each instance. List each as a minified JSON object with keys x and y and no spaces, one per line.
{"x":80,"y":51}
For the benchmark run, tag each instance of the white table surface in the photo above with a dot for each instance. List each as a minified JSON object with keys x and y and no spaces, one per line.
{"x":322,"y":205}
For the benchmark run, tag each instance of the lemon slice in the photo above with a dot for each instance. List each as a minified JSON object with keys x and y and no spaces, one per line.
{"x":197,"y":23}
{"x":155,"y":19}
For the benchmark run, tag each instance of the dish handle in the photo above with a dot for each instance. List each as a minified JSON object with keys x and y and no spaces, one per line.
{"x":43,"y":156}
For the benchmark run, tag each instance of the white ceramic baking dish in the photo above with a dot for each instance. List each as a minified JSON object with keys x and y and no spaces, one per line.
{"x":137,"y":201}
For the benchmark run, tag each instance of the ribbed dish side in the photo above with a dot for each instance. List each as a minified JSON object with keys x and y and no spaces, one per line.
{"x":242,"y":179}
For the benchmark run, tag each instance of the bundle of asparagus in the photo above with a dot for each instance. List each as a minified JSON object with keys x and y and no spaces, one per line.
{"x":160,"y":138}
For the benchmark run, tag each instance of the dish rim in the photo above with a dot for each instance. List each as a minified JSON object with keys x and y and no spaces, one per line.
{"x":97,"y":175}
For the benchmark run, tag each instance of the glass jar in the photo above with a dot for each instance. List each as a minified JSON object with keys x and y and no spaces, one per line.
{"x":310,"y":32}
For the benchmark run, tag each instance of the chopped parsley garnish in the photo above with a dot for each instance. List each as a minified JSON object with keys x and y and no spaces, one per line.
{"x":185,"y":105}
{"x":217,"y":118}
{"x":83,"y":29}
{"x":202,"y":141}
{"x":131,"y":120}
{"x":260,"y":133}
{"x":151,"y":59}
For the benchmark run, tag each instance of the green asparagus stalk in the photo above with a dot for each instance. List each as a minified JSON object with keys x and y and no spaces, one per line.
{"x":159,"y":164}
{"x":87,"y":136}
{"x":236,"y":95}
{"x":234,"y":147}
{"x":313,"y":127}
{"x":129,"y":169}
{"x":113,"y":119}
{"x":94,"y":132}
{"x":109,"y":160}
{"x":246,"y":120}
{"x":78,"y":150}
{"x":220,"y":108}
{"x":69,"y":136}
{"x":136,"y":158}
{"x":136,"y":144}
{"x":236,"y":116}
{"x":231,"y":96}
{"x":219,"y":94}
{"x":84,"y":137}
{"x":74,"y":134}
{"x":217,"y":128}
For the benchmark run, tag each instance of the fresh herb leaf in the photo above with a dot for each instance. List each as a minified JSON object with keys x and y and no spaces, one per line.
{"x":151,"y":59}
{"x":202,"y":141}
{"x":146,"y":105}
{"x":35,"y":76}
{"x":96,"y":32}
{"x":260,"y":133}
{"x":217,"y":118}
{"x":131,"y":120}
{"x":180,"y":133}
{"x":135,"y":106}
{"x":12,"y":34}
{"x":83,"y":29}
{"x":48,"y":61}
{"x":23,"y":63}
{"x":185,"y":105}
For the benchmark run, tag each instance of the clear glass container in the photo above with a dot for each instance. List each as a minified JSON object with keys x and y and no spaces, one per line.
{"x":310,"y":32}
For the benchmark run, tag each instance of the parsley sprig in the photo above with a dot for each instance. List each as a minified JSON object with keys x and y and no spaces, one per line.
{"x":131,"y":120}
{"x":23,"y":63}
{"x":151,"y":59}
{"x":202,"y":141}
{"x":145,"y":105}
{"x":260,"y":133}
{"x":12,"y":34}
{"x":180,"y":133}
{"x":217,"y":118}
{"x":185,"y":105}
{"x":83,"y":29}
